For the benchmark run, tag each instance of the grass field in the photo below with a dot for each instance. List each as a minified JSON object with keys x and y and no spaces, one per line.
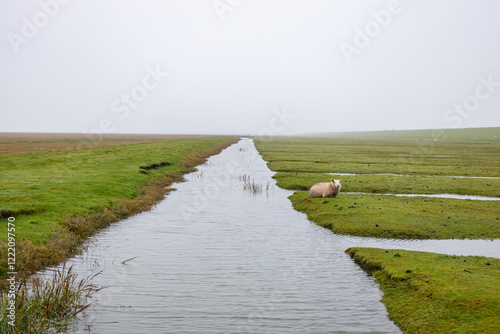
{"x":19,"y":143}
{"x":412,"y":162}
{"x":435,"y":293}
{"x":421,"y":137}
{"x":60,"y":196}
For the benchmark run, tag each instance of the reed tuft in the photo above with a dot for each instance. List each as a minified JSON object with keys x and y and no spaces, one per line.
{"x":48,"y":305}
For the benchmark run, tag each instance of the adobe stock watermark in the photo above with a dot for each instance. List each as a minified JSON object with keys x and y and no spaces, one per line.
{"x":222,"y":7}
{"x":30,"y":27}
{"x":277,"y":123}
{"x":115,"y":286}
{"x":364,"y":36}
{"x":213,"y":186}
{"x":300,"y":272}
{"x":460,"y":111}
{"x":124,"y":104}
{"x":483,"y":91}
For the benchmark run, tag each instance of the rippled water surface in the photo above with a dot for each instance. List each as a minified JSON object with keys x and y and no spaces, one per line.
{"x":215,"y":258}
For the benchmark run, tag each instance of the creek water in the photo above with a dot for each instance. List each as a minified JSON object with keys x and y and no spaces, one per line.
{"x":213,"y":257}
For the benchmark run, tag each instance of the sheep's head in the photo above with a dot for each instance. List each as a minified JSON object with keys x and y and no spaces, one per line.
{"x":336,"y":183}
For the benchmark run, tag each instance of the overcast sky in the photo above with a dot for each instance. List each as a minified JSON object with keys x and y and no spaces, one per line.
{"x":248,"y":66}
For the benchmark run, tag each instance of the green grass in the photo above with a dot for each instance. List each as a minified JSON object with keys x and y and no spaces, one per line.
{"x":441,"y":135}
{"x":427,"y":158}
{"x":403,"y":155}
{"x":405,"y":218}
{"x":58,"y":197}
{"x":435,"y":293}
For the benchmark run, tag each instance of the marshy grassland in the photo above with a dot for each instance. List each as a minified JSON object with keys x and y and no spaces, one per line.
{"x":421,"y":162}
{"x":423,"y":292}
{"x":61,"y":195}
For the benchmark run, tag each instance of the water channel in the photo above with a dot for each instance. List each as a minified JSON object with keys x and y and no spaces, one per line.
{"x":213,"y":257}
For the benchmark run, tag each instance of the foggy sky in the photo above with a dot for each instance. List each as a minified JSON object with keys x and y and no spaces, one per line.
{"x":248,"y":67}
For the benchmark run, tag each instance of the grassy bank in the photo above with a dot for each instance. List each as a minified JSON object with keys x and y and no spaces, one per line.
{"x":60,"y":197}
{"x":404,"y":218}
{"x":434,"y":293}
{"x":421,"y":162}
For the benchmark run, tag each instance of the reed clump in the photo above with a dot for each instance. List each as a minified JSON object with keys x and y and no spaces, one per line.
{"x":270,"y":188}
{"x":47,"y":305}
{"x":250,"y":184}
{"x":254,"y":187}
{"x":244,"y":178}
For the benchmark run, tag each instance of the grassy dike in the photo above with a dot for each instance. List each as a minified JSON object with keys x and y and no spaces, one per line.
{"x":60,"y":197}
{"x":435,"y":293}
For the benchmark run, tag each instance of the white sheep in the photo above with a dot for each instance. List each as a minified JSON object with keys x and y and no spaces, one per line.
{"x":325,"y":189}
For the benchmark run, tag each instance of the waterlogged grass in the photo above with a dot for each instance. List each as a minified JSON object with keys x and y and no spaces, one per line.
{"x":46,"y":305}
{"x":435,"y":293}
{"x":428,"y":158}
{"x":59,"y":197}
{"x":419,"y":165}
{"x":397,"y":152}
{"x":395,"y":184}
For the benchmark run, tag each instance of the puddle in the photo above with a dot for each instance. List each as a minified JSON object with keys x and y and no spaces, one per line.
{"x":452,"y":196}
{"x":416,"y":175}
